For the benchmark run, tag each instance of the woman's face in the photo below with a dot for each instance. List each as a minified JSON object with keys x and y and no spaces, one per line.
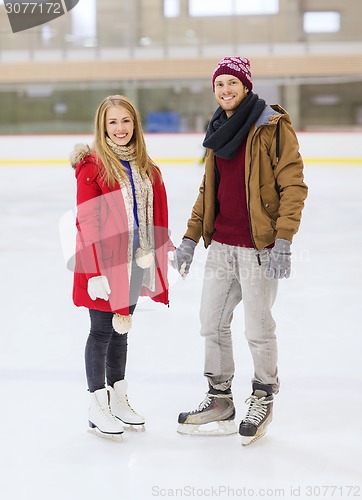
{"x":119,"y":125}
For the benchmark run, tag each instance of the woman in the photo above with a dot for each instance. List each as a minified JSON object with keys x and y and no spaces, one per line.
{"x":121,"y":252}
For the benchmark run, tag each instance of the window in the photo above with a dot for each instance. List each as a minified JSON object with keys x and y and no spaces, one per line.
{"x":84,"y":23}
{"x":321,"y":22}
{"x":202,"y":8}
{"x":171,"y":8}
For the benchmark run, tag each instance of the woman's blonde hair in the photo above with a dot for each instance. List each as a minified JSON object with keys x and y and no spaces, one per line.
{"x":108,"y":158}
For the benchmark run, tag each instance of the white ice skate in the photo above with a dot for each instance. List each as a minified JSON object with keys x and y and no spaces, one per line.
{"x":101,"y":420}
{"x":122,"y":409}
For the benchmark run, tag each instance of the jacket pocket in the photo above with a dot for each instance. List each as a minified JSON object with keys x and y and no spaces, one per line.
{"x":270,"y":202}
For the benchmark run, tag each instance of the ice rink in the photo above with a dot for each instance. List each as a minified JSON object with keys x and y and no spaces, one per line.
{"x":312,"y":448}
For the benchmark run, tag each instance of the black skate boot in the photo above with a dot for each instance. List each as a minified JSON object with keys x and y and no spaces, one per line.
{"x":214,"y":416}
{"x":258,"y":416}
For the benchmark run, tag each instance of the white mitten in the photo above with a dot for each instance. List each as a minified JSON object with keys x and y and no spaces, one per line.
{"x":98,"y":288}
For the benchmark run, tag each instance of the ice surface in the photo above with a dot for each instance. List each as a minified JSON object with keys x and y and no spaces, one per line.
{"x":315,"y":438}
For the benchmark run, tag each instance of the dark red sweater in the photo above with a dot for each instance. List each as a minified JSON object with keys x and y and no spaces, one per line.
{"x":232,"y":221}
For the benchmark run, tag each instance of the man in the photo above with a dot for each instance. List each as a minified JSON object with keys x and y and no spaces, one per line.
{"x":247,"y":211}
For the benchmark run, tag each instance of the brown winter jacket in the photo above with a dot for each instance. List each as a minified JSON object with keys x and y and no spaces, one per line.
{"x":275,"y":191}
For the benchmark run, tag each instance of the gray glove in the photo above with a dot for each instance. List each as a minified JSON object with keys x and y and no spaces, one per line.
{"x":280,"y":263}
{"x":183,"y":255}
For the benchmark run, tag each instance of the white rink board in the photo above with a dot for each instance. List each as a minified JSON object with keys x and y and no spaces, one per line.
{"x":169,"y":148}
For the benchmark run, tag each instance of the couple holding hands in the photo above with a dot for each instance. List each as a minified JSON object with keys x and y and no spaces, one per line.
{"x":247,"y":211}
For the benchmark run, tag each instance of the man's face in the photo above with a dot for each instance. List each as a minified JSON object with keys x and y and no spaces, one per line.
{"x":229,"y":93}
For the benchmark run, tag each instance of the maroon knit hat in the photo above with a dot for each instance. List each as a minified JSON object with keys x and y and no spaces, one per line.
{"x":236,"y":66}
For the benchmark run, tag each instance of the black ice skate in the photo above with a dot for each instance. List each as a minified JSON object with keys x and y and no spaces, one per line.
{"x":214,"y":416}
{"x":258,"y":417}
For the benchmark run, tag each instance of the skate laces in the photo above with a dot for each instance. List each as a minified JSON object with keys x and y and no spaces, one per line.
{"x":257,"y":409}
{"x":129,"y":406}
{"x":126,"y":403}
{"x":106,"y":412}
{"x":206,"y":402}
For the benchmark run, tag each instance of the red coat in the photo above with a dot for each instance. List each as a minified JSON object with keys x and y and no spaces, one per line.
{"x":102,"y":240}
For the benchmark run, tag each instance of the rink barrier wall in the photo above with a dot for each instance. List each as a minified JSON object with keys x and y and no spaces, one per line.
{"x":35,"y":150}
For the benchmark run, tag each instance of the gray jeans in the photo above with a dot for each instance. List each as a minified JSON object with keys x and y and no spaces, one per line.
{"x":233,"y":274}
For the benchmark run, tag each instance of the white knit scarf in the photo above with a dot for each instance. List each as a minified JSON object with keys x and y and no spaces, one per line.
{"x":144,"y":198}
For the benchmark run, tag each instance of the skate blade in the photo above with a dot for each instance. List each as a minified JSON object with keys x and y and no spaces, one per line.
{"x":110,"y":437}
{"x":134,"y":427}
{"x":247,"y":440}
{"x":219,"y":428}
{"x":137,"y":427}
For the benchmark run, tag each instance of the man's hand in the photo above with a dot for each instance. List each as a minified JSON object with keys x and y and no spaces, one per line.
{"x":183,"y":256}
{"x":280,"y":262}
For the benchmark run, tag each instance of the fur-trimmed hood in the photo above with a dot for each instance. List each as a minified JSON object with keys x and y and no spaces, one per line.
{"x":78,"y":154}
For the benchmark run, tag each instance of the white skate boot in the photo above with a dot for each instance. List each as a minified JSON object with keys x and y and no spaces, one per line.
{"x":101,"y":420}
{"x":121,"y":408}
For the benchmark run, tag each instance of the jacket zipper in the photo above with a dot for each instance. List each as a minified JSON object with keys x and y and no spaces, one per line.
{"x":248,"y":206}
{"x":203,"y":207}
{"x":277,"y":159}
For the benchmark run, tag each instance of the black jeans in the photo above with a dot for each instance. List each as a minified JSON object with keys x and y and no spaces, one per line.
{"x":106,"y":350}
